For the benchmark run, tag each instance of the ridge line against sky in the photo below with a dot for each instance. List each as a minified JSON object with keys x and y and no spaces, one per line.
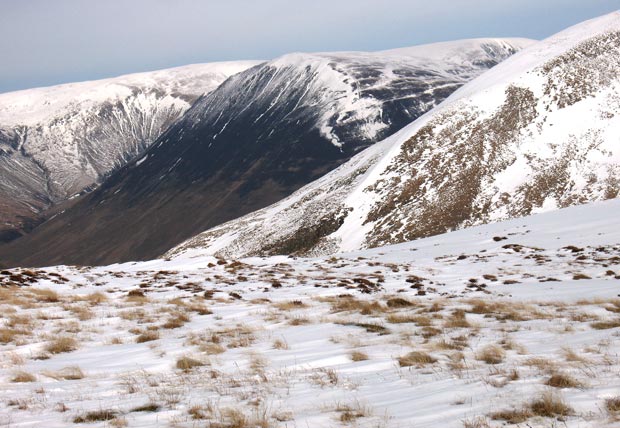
{"x":45,"y":42}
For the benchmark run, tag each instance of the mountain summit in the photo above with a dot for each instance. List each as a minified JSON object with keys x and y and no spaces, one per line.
{"x":261,"y":135}
{"x":538,"y":132}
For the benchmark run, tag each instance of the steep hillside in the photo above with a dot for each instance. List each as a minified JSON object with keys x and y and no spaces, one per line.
{"x":57,"y":141}
{"x":538,"y":132}
{"x":260,"y":136}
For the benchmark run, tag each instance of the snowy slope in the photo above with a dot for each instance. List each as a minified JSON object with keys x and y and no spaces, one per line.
{"x":537,"y":132}
{"x":257,"y":138}
{"x":56,"y":141}
{"x":460,"y":330}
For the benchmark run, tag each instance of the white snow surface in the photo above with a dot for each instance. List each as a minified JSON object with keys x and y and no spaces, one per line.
{"x":274,"y":338}
{"x":537,"y":132}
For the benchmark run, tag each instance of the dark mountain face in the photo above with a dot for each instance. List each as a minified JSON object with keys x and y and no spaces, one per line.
{"x":260,"y":136}
{"x":58,"y":141}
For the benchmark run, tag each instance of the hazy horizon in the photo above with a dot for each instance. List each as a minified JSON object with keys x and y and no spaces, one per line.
{"x":45,"y":43}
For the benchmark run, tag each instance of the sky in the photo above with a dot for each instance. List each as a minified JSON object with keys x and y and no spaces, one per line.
{"x":46,"y":42}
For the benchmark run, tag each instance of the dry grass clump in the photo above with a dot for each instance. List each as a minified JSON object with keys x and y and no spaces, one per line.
{"x":290,"y":305}
{"x":67,"y":373}
{"x":24,"y":321}
{"x":324,"y":376}
{"x":416,"y":358}
{"x":212,"y":348}
{"x":506,"y":311}
{"x":238,"y":336}
{"x":352,"y":412}
{"x":96,"y":298}
{"x":138,"y":315}
{"x":369,"y":327}
{"x":399,"y":302}
{"x":61,"y":344}
{"x":147,"y":336}
{"x":177,"y":320}
{"x":605,"y":325}
{"x":477,"y":422}
{"x":491,"y":354}
{"x":96,"y":416}
{"x":563,"y":380}
{"x":572,"y":356}
{"x":547,"y":405}
{"x":297,"y":321}
{"x":22,"y":377}
{"x":359,"y":356}
{"x":351,"y":304}
{"x":457,"y":320}
{"x":198,"y":412}
{"x":83,"y":313}
{"x":454,"y":344}
{"x":550,"y":405}
{"x":542,"y":364}
{"x":280,"y":344}
{"x":8,"y":335}
{"x":613,"y":405}
{"x":399,"y":318}
{"x":149,"y":407}
{"x":44,"y":295}
{"x":512,"y":416}
{"x":187,"y":363}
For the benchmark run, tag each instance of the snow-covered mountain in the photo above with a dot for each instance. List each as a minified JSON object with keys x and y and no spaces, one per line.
{"x":537,"y":132}
{"x":261,"y":135}
{"x":57,"y":141}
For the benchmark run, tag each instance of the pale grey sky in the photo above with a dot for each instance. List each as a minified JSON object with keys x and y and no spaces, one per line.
{"x":45,"y":42}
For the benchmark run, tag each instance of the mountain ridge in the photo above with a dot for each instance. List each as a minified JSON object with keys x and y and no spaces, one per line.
{"x":487,"y":153}
{"x":58,"y":141}
{"x":258,"y":137}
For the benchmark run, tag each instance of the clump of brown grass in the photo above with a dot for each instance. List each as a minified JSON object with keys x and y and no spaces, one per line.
{"x":67,"y":373}
{"x":147,"y":336}
{"x":280,"y":344}
{"x":358,"y":356}
{"x":416,"y":358}
{"x":61,"y":344}
{"x":563,"y":380}
{"x":613,"y":405}
{"x":477,"y":422}
{"x":542,"y":364}
{"x":187,"y":363}
{"x":22,"y":377}
{"x":290,"y":305}
{"x":457,"y":320}
{"x":177,"y":320}
{"x":572,"y":356}
{"x":352,"y":412}
{"x":491,"y":354}
{"x":212,"y":348}
{"x":44,"y":295}
{"x":351,"y":304}
{"x":512,"y":416}
{"x":398,"y":302}
{"x":550,"y":404}
{"x":8,"y":335}
{"x":95,"y":416}
{"x":605,"y":325}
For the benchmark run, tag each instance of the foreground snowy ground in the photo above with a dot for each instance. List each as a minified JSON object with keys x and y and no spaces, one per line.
{"x":511,"y":323}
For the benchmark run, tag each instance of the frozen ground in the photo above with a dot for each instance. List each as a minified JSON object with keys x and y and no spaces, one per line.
{"x":514,"y":322}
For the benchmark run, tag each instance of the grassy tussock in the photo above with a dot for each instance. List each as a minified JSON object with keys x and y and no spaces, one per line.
{"x":416,"y":358}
